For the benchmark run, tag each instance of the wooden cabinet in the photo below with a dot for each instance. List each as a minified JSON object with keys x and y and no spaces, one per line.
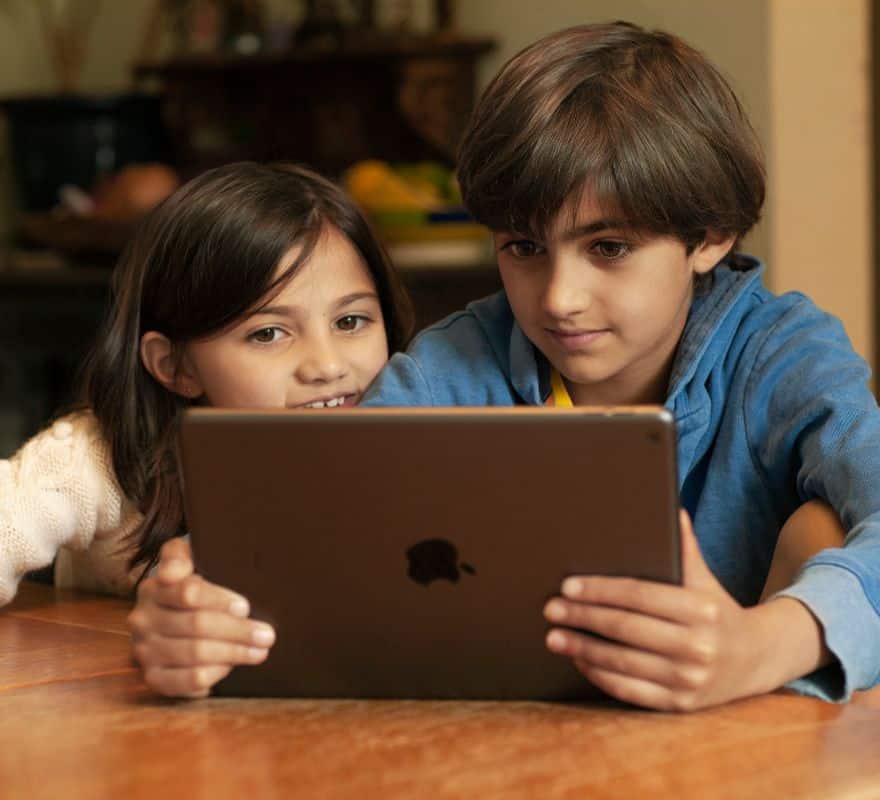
{"x":403,"y":98}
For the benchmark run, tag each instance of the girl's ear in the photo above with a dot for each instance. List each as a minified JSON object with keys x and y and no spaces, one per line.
{"x":158,"y":357}
{"x":710,"y":251}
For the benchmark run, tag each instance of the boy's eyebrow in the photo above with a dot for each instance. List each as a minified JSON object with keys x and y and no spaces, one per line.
{"x":589,"y":228}
{"x":290,"y":311}
{"x":586,"y":229}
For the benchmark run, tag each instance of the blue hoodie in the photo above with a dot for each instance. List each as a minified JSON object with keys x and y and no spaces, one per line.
{"x":773,"y":409}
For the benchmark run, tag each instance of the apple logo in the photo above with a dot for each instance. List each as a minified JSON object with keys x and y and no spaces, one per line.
{"x":435,"y":559}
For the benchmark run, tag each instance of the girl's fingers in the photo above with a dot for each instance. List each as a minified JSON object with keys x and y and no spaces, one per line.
{"x":673,"y":603}
{"x":213,"y":625}
{"x":592,"y":652}
{"x":175,"y":561}
{"x":185,"y":681}
{"x":164,"y":652}
{"x":194,"y":592}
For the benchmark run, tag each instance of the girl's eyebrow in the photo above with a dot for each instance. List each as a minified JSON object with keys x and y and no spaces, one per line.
{"x":291,"y":311}
{"x":354,"y":297}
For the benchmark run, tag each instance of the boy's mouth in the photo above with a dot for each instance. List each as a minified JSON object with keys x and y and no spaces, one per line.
{"x":575,"y":340}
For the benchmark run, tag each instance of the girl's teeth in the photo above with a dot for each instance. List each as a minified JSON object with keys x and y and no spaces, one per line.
{"x":333,"y":403}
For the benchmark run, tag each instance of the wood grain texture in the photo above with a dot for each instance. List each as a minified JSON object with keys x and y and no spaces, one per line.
{"x":108,"y":736}
{"x":36,"y":601}
{"x":34,"y":652}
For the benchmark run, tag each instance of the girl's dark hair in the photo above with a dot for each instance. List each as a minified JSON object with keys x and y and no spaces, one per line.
{"x":202,"y":259}
{"x":638,"y":118}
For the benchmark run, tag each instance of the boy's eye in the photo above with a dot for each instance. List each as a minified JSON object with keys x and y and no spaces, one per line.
{"x":611,"y":249}
{"x":522,"y":248}
{"x":266,"y":335}
{"x":351,"y":322}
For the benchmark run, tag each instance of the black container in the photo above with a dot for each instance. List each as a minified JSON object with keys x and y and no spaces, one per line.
{"x":78,"y":139}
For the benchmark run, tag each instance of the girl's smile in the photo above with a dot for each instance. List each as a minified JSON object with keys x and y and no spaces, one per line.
{"x":340,"y":401}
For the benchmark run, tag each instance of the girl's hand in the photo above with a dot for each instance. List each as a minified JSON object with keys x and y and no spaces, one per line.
{"x":679,"y":648}
{"x":187,"y":633}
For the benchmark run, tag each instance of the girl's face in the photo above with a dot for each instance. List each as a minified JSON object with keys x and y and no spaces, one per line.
{"x":605,"y":305}
{"x":317,"y":344}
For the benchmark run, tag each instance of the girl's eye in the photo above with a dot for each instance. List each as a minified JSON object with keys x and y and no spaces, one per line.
{"x":610,"y":249}
{"x":266,"y":335}
{"x":351,"y":322}
{"x":522,"y":248}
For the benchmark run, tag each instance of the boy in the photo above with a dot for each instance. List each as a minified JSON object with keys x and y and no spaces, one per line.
{"x":617,"y":172}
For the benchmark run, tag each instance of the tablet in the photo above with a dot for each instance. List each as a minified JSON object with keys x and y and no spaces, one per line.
{"x":408,"y":553}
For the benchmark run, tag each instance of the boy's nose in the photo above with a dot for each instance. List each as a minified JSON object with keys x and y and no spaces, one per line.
{"x":564,"y":295}
{"x":322,"y":363}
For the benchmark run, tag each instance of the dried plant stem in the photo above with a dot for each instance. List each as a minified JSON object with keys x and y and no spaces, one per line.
{"x":66,"y":32}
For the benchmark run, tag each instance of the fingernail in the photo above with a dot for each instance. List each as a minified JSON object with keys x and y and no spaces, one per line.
{"x":174,"y":569}
{"x":556,"y":641}
{"x":555,"y":610}
{"x":571,"y":587}
{"x":263,"y":636}
{"x":239,"y":607}
{"x":256,"y":654}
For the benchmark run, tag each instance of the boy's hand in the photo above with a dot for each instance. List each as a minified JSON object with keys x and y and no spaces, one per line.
{"x":672,"y":648}
{"x":187,"y":633}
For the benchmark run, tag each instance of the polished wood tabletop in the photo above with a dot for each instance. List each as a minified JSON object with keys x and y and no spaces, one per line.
{"x":77,"y":722}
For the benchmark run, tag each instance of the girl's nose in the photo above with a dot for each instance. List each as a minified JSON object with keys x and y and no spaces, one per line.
{"x":321,"y":363}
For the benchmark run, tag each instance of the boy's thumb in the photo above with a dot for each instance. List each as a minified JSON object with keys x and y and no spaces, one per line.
{"x":696,"y":571}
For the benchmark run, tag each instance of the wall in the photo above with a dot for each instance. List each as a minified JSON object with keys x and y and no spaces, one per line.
{"x":25,"y":66}
{"x":820,"y":202}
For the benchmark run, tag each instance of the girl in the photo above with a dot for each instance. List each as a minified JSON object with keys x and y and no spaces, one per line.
{"x":251,"y":286}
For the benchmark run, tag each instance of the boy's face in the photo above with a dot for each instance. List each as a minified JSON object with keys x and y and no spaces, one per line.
{"x":604,"y":304}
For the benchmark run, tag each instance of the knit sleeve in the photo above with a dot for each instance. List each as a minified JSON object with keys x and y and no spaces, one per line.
{"x":57,"y":491}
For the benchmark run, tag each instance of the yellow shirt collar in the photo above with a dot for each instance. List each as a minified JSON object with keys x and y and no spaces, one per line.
{"x":561,"y":398}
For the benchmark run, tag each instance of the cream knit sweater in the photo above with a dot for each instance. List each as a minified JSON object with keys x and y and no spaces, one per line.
{"x":59,"y":496}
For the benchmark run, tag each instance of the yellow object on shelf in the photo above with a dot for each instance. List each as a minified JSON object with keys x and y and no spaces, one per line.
{"x":376,"y":186}
{"x":434,"y":232}
{"x":417,"y":211}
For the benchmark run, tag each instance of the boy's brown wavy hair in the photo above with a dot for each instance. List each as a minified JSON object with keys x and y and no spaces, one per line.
{"x":638,"y":119}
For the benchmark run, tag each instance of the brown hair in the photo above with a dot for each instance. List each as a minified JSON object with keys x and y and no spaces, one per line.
{"x":638,"y":118}
{"x":201,"y":260}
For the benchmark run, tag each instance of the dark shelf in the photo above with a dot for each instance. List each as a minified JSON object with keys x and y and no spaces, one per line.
{"x":378,"y":49}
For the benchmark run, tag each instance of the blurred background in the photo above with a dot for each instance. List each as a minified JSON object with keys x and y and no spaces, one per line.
{"x":105,"y":107}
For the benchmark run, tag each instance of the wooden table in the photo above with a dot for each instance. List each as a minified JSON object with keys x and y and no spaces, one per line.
{"x":76,"y":722}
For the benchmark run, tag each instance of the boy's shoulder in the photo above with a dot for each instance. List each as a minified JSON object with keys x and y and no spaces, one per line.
{"x":477,"y":356}
{"x":740,"y":301}
{"x":486,"y":323}
{"x":738,"y":323}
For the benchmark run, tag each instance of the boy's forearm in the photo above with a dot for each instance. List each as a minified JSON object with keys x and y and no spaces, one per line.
{"x":790,"y":641}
